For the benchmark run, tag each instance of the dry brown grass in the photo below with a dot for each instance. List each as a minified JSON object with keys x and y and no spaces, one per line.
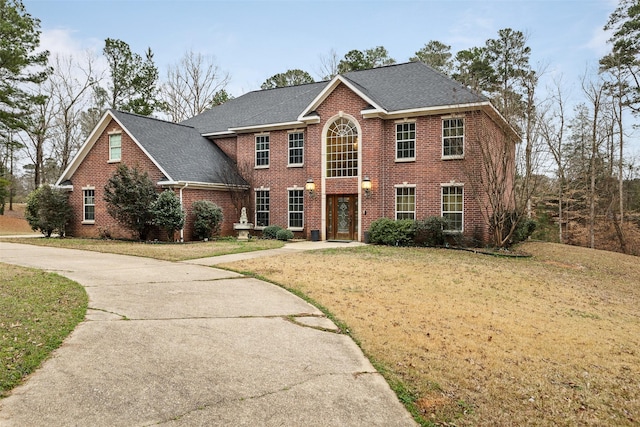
{"x":548,"y":340}
{"x":13,"y":222}
{"x":164,"y":251}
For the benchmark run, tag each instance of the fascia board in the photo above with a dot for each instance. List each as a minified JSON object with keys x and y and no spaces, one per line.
{"x":222,"y":133}
{"x":498,"y":117}
{"x":439,"y":109}
{"x":267,"y":127}
{"x":319,"y":99}
{"x":85,"y":148}
{"x":201,"y":185}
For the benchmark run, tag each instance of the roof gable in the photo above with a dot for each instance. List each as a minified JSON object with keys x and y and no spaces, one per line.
{"x":180,"y":152}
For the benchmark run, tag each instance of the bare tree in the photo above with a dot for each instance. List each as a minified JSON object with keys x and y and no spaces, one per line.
{"x":618,"y":75}
{"x":71,"y":84}
{"x":35,"y":137}
{"x":328,"y":65}
{"x":596,"y":95}
{"x":491,"y":172}
{"x":192,"y":85}
{"x":553,"y":127}
{"x":239,"y":194}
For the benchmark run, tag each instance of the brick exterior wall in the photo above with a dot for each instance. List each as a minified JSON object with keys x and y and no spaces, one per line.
{"x":428,"y":173}
{"x":221,"y":198}
{"x":377,"y":160}
{"x":95,"y":171}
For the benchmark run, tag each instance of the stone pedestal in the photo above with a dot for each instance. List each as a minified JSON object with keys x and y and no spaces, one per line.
{"x":243,"y":227}
{"x":243,"y":230}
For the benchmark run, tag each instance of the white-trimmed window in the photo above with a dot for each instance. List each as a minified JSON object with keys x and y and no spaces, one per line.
{"x":342,"y":148}
{"x":296,"y":209}
{"x":262,"y":151}
{"x":296,"y":148}
{"x":88,"y":205}
{"x":405,"y":202}
{"x":262,"y":208}
{"x":406,"y":141}
{"x":452,"y":138}
{"x":453,"y":207}
{"x":115,"y":147}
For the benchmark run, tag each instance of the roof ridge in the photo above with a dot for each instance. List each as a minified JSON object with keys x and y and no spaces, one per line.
{"x":149,"y":118}
{"x":397,"y":64}
{"x":284,"y":87}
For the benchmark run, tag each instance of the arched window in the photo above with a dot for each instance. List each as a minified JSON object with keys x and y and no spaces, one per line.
{"x":342,"y":148}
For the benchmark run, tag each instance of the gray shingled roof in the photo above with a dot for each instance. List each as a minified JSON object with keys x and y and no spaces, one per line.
{"x":394,"y":88}
{"x":411,"y":85}
{"x":257,"y":108}
{"x":180,"y":150}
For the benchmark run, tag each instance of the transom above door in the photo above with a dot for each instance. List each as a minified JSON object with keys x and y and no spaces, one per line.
{"x":342,"y":217}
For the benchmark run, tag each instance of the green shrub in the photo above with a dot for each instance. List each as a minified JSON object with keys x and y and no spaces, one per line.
{"x":524,"y":230}
{"x":208,"y":219}
{"x":284,"y":234}
{"x":129,"y":194}
{"x":429,"y":232}
{"x":546,"y":228}
{"x":167,"y":213}
{"x":48,"y":210}
{"x":271,"y":231}
{"x":385,"y":231}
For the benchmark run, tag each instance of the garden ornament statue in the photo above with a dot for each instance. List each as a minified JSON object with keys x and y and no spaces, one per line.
{"x":244,"y":226}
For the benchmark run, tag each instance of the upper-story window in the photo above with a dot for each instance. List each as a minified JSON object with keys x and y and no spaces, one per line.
{"x":452,"y":138}
{"x":296,"y":148}
{"x":406,"y":141}
{"x":262,"y":151}
{"x":115,"y":147}
{"x":342,"y":148}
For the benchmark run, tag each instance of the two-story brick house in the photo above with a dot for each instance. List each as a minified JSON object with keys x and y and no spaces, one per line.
{"x":323,"y":159}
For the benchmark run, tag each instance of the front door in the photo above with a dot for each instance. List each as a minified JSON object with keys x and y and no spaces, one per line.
{"x":342,"y":220}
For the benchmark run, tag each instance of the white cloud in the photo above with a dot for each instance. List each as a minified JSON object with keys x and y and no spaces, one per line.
{"x":471,"y":29}
{"x":63,"y":41}
{"x":598,"y":42}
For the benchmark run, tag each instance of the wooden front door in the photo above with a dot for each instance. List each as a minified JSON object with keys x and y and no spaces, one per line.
{"x":342,"y":220}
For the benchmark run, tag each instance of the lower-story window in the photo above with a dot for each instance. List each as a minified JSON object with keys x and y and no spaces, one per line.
{"x":405,"y":202}
{"x":296,"y":209}
{"x":89,"y":205}
{"x":452,"y":207}
{"x":262,"y":208}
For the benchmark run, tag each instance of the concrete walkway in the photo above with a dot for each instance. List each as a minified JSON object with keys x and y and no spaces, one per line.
{"x":183,"y":344}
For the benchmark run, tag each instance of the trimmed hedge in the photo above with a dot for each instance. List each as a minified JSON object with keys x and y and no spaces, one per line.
{"x":408,"y":232}
{"x":271,"y":232}
{"x":284,"y":235}
{"x":385,"y":231}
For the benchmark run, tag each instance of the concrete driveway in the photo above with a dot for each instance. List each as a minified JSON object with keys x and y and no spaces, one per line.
{"x":178,"y":344}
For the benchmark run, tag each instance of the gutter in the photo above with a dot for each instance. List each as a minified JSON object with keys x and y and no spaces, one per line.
{"x":186,"y":184}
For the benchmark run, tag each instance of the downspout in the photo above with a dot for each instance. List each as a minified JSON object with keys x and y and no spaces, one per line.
{"x":184,"y":210}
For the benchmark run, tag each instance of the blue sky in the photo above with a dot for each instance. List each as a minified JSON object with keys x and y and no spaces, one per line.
{"x":253,"y":40}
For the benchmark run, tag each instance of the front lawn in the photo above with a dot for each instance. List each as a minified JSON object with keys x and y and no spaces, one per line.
{"x":477,"y":340}
{"x":159,"y":250}
{"x":37,"y":312}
